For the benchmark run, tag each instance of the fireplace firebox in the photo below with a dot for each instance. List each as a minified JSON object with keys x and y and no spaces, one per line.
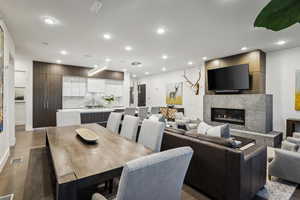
{"x":227,"y":115}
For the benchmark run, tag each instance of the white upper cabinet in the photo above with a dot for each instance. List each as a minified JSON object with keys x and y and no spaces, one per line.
{"x":74,"y":86}
{"x":114,"y":88}
{"x":96,"y":85}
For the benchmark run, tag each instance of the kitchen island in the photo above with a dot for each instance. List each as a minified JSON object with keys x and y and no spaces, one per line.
{"x":67,"y":117}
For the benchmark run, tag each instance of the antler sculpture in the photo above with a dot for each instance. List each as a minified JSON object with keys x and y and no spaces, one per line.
{"x":194,"y":86}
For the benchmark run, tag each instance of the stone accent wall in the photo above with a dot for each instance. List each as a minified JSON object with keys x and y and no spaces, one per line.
{"x":258,"y":110}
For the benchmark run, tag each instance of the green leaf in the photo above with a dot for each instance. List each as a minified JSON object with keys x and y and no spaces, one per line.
{"x":279,"y":14}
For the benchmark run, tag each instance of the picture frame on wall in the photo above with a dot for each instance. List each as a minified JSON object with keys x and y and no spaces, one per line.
{"x":1,"y":79}
{"x":174,"y":93}
{"x":297,"y":90}
{"x":20,"y":94}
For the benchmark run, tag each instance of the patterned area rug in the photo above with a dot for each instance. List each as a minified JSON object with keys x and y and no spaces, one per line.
{"x":277,"y":189}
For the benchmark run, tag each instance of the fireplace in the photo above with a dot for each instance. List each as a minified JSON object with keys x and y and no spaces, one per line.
{"x":232,"y":116}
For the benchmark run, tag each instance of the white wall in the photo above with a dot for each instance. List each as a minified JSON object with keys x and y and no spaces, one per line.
{"x":20,"y":85}
{"x":7,"y":138}
{"x":126,"y":89}
{"x":25,"y":63}
{"x":280,"y":72}
{"x":156,"y":90}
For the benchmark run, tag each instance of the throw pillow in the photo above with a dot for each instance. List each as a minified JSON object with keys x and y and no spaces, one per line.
{"x":179,"y":115}
{"x":286,"y":145}
{"x":203,"y":128}
{"x":219,"y":131}
{"x":296,"y":135}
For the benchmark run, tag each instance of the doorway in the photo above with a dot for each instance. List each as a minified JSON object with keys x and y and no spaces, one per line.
{"x":142,"y":95}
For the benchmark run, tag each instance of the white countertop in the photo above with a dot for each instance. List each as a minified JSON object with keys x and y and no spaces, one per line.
{"x":91,"y":110}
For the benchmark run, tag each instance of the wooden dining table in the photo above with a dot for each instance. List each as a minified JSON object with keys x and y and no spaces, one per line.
{"x":79,"y":165}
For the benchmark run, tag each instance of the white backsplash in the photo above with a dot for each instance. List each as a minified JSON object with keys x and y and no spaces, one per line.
{"x":81,"y":102}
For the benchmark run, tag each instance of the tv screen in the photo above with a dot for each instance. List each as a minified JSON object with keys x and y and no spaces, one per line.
{"x":229,"y":78}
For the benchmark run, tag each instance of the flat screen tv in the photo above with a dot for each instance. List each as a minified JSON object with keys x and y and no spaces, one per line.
{"x":229,"y":78}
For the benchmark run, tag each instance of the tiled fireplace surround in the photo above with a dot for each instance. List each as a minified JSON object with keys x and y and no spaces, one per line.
{"x":257,"y":110}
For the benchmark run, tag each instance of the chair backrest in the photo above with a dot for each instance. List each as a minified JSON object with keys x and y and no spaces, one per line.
{"x":151,"y":134}
{"x":129,"y":111}
{"x":155,"y":110}
{"x":179,"y":115}
{"x":130,"y":127}
{"x":68,"y":118}
{"x":114,"y":121}
{"x":142,"y":113}
{"x":155,"y":177}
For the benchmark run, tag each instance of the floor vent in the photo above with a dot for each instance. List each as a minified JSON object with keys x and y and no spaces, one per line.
{"x":7,"y":197}
{"x":15,"y":161}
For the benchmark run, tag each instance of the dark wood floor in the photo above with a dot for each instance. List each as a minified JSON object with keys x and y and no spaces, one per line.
{"x":29,"y":182}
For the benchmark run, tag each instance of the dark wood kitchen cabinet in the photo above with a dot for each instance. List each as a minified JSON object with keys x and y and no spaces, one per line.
{"x":47,"y":99}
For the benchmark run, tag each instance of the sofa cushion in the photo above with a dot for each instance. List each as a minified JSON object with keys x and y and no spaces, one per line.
{"x":216,"y":140}
{"x":219,"y":131}
{"x":295,"y":141}
{"x":203,"y":128}
{"x":289,"y":146}
{"x":296,"y":135}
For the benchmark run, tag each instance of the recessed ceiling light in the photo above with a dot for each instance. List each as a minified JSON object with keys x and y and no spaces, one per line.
{"x":190,"y":63}
{"x":165,"y":57}
{"x":58,"y":61}
{"x":204,"y":58}
{"x":107,"y":36}
{"x":107,"y":59}
{"x":216,"y":62}
{"x":164,"y":69}
{"x":50,"y":20}
{"x":133,"y":75}
{"x":244,"y":48}
{"x":95,"y":66}
{"x":146,"y":73}
{"x":96,"y":70}
{"x":161,"y":31}
{"x":63,"y":52}
{"x":281,"y":42}
{"x":128,"y":48}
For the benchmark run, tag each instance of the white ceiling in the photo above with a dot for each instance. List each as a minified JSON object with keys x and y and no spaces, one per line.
{"x":195,"y":28}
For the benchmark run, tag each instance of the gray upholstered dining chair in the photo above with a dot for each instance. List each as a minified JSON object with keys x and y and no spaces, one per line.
{"x":130,"y":127}
{"x":151,"y":134}
{"x":155,"y":110}
{"x":130,"y":111}
{"x":142,"y":113}
{"x":155,"y":177}
{"x":114,"y":121}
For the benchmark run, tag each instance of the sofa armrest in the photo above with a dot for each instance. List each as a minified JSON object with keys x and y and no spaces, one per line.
{"x":286,"y":165}
{"x":253,"y":170}
{"x":254,"y":151}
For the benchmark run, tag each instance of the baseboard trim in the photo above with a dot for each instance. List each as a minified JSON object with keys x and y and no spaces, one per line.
{"x":4,"y":160}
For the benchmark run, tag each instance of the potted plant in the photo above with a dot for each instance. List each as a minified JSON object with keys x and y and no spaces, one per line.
{"x":279,"y":15}
{"x":109,"y":99}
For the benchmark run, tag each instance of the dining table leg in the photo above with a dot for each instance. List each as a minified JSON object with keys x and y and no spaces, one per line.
{"x":66,"y":191}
